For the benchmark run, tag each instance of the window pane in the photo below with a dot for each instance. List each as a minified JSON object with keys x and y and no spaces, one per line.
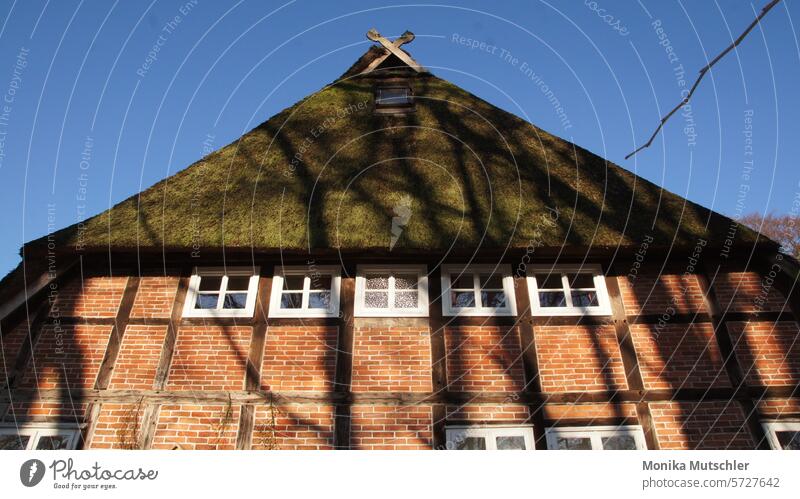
{"x":584,"y":299}
{"x":322,"y":282}
{"x":619,"y":442}
{"x":573,"y":443}
{"x":405,"y":299}
{"x":582,"y":280}
{"x":462,"y":298}
{"x":293,"y":282}
{"x":491,"y":281}
{"x":14,"y":442}
{"x":210,"y":283}
{"x":494,"y":299}
{"x":789,"y":440}
{"x":319,"y":299}
{"x":510,"y":443}
{"x":393,"y":96}
{"x":377,"y":281}
{"x":549,"y":281}
{"x":376,"y":299}
{"x":207,"y":301}
{"x":238,"y":283}
{"x":463,"y":282}
{"x":291,"y":300}
{"x":54,"y":442}
{"x":405,"y":281}
{"x":235,"y":300}
{"x":471,"y":443}
{"x":552,"y":299}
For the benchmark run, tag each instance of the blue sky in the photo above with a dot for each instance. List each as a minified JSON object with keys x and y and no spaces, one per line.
{"x":91,"y":122}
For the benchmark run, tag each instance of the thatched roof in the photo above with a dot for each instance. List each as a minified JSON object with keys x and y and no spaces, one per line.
{"x":329,"y":173}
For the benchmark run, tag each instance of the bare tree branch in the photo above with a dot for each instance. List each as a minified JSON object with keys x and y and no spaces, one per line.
{"x":703,"y":73}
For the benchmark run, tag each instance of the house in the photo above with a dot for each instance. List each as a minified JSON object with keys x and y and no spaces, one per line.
{"x":395,"y":263}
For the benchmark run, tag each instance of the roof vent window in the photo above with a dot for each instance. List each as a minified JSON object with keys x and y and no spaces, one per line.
{"x":393,"y":99}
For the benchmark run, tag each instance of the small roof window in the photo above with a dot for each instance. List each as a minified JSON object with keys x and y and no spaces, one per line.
{"x":393,"y":98}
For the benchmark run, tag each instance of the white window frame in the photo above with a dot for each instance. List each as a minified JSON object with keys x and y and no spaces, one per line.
{"x":595,"y":434}
{"x":772,"y":427}
{"x":508,"y":288}
{"x":194,"y":288}
{"x":603,"y":301}
{"x":421,"y":271}
{"x":489,"y":434}
{"x":36,"y":431}
{"x":333,"y":271}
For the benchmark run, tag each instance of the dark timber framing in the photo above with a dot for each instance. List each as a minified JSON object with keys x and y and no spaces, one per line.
{"x":341,"y":396}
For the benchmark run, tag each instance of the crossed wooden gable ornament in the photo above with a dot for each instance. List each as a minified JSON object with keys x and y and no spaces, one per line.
{"x":393,"y":48}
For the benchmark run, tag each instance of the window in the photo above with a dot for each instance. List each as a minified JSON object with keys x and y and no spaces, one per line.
{"x":783,"y":434}
{"x":393,"y":96}
{"x":568,"y":290}
{"x":478,"y":290}
{"x":221,"y":292}
{"x":596,"y":438}
{"x":38,"y":437}
{"x":305,"y":292}
{"x":490,"y":438}
{"x":399,"y":290}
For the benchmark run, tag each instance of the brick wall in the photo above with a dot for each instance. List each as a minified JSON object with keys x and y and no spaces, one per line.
{"x":700,"y":425}
{"x":743,"y":292}
{"x":91,"y":297}
{"x":69,"y":411}
{"x":138,"y":358}
{"x":560,"y":412}
{"x":579,"y":358}
{"x":118,"y":426}
{"x":392,"y":359}
{"x":488,"y":413}
{"x":768,"y":352}
{"x":483,"y":358}
{"x":299,"y":358}
{"x":660,"y":294}
{"x":678,"y":356}
{"x":197,"y":427}
{"x":210,"y":358}
{"x":391,"y":427}
{"x":293,"y":427}
{"x":155,"y":297}
{"x":779,"y":407}
{"x":10,"y":345}
{"x":67,"y":356}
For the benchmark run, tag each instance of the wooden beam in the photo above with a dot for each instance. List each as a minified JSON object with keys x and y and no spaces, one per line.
{"x":244,"y":437}
{"x":255,"y":356}
{"x":735,"y":372}
{"x":149,"y":423}
{"x":436,"y":325}
{"x":170,"y":339}
{"x":117,"y":333}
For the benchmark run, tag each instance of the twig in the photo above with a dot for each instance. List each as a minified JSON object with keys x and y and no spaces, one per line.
{"x":703,"y":73}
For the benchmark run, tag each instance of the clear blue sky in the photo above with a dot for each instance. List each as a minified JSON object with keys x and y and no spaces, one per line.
{"x":228,"y":66}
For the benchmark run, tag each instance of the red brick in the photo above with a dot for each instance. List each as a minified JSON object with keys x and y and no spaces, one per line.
{"x":392,"y":359}
{"x":483,"y":358}
{"x":197,"y":427}
{"x":293,"y":427}
{"x":299,"y":358}
{"x":668,"y":293}
{"x":768,"y":352}
{"x":210,"y":358}
{"x":138,"y":358}
{"x":579,"y":358}
{"x":700,"y":425}
{"x":155,"y":297}
{"x":746,"y":292}
{"x":90,"y":297}
{"x":673,"y":356}
{"x":391,"y":427}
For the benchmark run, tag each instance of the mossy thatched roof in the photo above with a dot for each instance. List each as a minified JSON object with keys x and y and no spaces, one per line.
{"x":457,"y":172}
